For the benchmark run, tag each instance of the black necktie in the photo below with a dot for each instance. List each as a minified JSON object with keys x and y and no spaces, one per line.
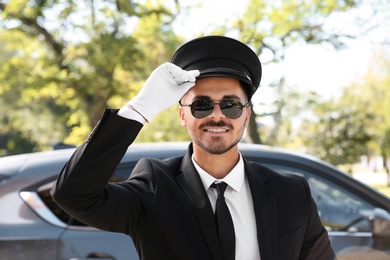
{"x":225,"y":225}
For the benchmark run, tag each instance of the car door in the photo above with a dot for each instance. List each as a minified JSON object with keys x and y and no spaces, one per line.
{"x":78,"y":241}
{"x":82,"y":242}
{"x":344,"y":212}
{"x":23,"y":233}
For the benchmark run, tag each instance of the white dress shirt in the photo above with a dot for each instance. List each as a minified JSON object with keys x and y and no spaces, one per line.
{"x":238,"y":197}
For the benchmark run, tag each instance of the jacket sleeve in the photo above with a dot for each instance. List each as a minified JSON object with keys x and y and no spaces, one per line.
{"x":82,"y":188}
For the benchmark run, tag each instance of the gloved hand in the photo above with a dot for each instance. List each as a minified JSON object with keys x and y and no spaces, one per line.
{"x":164,"y":87}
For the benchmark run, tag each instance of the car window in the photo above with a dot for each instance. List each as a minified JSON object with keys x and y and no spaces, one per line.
{"x":339,"y":208}
{"x":45,"y":196}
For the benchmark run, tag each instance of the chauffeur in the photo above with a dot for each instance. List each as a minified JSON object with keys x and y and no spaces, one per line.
{"x":210,"y":204}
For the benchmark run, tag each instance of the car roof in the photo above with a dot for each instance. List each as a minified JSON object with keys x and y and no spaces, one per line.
{"x":169,"y":149}
{"x":54,"y":160}
{"x":13,"y":164}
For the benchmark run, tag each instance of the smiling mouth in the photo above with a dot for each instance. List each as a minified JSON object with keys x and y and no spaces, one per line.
{"x":216,"y":130}
{"x":216,"y":127}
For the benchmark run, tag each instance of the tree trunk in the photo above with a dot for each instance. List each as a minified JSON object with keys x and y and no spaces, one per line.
{"x":253,"y":134}
{"x":386,"y":166}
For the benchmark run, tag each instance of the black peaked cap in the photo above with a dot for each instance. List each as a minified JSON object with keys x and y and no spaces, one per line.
{"x":220,"y":56}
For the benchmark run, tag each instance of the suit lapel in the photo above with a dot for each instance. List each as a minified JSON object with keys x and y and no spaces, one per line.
{"x":189,"y":181}
{"x":265,"y":211}
{"x":263,"y":201}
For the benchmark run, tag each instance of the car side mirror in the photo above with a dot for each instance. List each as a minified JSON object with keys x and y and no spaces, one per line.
{"x":380,"y":222}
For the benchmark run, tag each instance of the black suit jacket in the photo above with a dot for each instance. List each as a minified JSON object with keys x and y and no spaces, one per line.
{"x":164,"y":208}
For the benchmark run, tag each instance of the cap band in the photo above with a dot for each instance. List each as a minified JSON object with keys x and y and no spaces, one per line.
{"x":226,"y":72}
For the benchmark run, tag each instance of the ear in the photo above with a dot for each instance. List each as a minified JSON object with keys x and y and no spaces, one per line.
{"x":181,"y":115}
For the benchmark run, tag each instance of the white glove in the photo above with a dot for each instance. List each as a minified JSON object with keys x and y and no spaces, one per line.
{"x":164,"y":87}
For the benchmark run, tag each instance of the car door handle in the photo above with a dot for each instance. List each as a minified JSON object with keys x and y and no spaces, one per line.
{"x":90,"y":258}
{"x":97,"y":256}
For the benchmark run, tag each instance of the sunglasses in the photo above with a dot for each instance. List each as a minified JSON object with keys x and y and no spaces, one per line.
{"x":203,"y":107}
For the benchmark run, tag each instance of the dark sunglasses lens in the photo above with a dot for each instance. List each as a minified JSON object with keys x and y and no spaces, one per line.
{"x":231,"y":108}
{"x":201,"y":108}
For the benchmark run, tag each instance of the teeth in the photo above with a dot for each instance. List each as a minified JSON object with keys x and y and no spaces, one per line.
{"x":214,"y":130}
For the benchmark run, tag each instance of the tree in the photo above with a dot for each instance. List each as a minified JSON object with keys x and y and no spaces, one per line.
{"x":271,"y":27}
{"x":355,"y":124}
{"x":340,"y":131}
{"x":374,"y":89}
{"x":65,"y":61}
{"x":24,"y":119}
{"x":73,"y":58}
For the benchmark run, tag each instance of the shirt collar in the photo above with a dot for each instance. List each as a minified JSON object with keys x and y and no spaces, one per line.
{"x":235,"y":178}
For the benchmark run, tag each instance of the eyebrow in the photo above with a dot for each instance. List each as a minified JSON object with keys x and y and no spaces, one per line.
{"x":223,"y":98}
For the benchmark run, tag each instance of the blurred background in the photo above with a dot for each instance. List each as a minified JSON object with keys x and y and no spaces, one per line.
{"x":325,"y":88}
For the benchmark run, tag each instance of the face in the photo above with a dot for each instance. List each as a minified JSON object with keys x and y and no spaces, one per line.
{"x":215,"y":133}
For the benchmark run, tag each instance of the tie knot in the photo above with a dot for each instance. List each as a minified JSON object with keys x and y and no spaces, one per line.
{"x":221,"y":187}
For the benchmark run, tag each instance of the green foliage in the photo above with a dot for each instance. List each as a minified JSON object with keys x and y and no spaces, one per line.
{"x":25,"y":115}
{"x":355,"y":124}
{"x":274,"y":25}
{"x":375,"y":90}
{"x":340,"y":133}
{"x":165,"y":127}
{"x":64,"y":62}
{"x":270,"y":27}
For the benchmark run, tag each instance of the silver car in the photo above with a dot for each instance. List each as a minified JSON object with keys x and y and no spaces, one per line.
{"x":32,"y":226}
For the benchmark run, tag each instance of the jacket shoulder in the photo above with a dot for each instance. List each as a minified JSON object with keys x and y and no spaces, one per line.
{"x":169,"y":166}
{"x":273,"y":178}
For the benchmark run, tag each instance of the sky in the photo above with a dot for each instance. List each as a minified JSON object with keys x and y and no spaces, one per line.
{"x":315,"y":67}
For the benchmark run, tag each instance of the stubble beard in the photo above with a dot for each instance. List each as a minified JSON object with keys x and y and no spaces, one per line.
{"x":217,"y":145}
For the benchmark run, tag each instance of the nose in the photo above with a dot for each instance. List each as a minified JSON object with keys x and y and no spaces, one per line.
{"x":216,"y":112}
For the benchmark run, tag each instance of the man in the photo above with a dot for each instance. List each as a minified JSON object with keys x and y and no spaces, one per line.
{"x":211,"y":203}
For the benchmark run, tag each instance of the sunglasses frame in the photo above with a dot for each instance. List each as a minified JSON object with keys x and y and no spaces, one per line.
{"x":214,"y":102}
